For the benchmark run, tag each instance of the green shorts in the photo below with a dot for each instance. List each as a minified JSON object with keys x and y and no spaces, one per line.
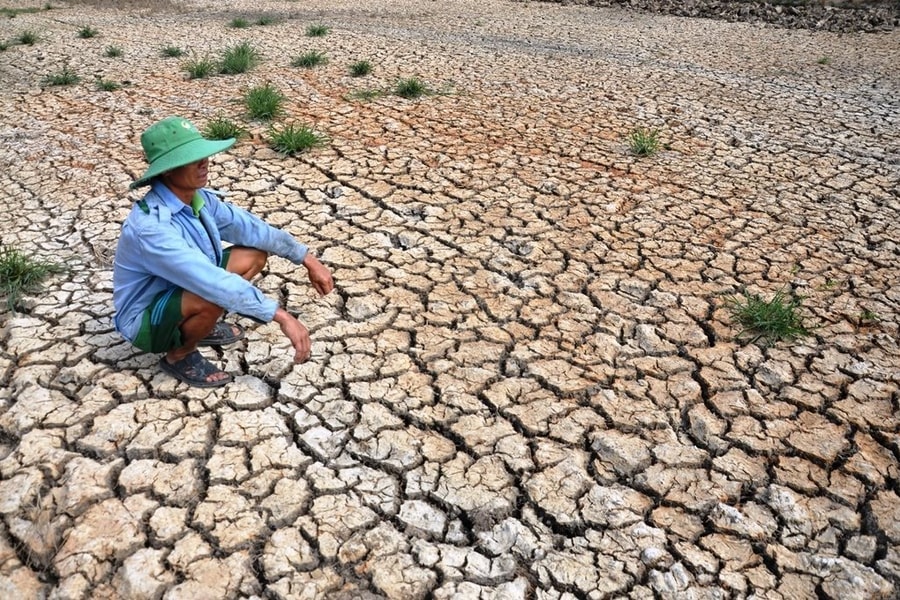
{"x":160,"y":322}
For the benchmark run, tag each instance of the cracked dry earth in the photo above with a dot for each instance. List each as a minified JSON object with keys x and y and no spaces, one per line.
{"x":527,"y":384}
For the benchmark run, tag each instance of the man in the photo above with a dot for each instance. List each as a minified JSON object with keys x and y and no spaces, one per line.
{"x":172,"y":280}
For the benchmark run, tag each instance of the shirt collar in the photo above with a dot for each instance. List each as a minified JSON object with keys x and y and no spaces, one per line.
{"x":173,"y":202}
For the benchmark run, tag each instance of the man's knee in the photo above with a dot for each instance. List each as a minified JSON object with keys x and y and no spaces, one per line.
{"x":247,"y":262}
{"x":260,"y":258}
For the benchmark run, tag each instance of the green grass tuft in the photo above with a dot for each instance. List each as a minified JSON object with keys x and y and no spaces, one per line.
{"x":21,"y":274}
{"x":769,"y":320}
{"x":411,"y":88}
{"x":222,"y":128}
{"x":264,"y":102}
{"x":239,"y":59}
{"x":112,"y":52}
{"x":64,"y":77}
{"x":200,"y":68}
{"x":293,"y":139}
{"x":171,"y":51}
{"x":644,"y":142}
{"x":239,"y":23}
{"x":27,"y":38}
{"x":107,"y":85}
{"x":266,"y":20}
{"x":310,"y":59}
{"x":360,"y":68}
{"x":4,"y":46}
{"x":87,"y":32}
{"x":317,"y":30}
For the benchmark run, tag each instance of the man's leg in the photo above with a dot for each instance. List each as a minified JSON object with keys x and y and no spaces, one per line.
{"x":244,"y":261}
{"x":200,"y":315}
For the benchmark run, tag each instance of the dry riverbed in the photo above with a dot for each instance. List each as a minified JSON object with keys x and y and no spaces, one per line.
{"x":528,"y":383}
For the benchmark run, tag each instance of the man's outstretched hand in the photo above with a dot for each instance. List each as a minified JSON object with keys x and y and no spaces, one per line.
{"x":296,"y":332}
{"x":319,"y":275}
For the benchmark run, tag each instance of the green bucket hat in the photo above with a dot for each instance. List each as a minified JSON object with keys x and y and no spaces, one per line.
{"x":172,"y":143}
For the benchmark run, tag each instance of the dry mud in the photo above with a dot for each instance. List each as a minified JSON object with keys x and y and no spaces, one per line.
{"x":527,"y":384}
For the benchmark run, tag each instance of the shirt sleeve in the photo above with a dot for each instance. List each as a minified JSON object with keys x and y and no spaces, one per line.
{"x":169,"y":256}
{"x":239,"y":226}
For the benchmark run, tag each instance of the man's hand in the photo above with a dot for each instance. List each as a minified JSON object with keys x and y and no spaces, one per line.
{"x":296,"y":332}
{"x":319,"y":275}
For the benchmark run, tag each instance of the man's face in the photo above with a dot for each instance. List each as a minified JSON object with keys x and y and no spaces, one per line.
{"x":192,"y":176}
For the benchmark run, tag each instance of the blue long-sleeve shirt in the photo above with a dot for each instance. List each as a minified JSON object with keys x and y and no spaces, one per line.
{"x":164,"y":244}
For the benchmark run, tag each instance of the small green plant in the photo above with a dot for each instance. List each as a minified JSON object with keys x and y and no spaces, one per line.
{"x":868,"y":317}
{"x":200,"y":68}
{"x":365,"y":94}
{"x":238,"y":59}
{"x":27,"y":38}
{"x":87,"y":32}
{"x":310,"y":59}
{"x":769,"y":320}
{"x":171,"y":51}
{"x":824,"y":60}
{"x":222,"y":128}
{"x":317,"y":30}
{"x":4,"y":46}
{"x":293,"y":139}
{"x":644,"y":142}
{"x":107,"y":85}
{"x":21,"y":274}
{"x":411,"y":88}
{"x":264,"y":102}
{"x":64,"y":77}
{"x":360,"y":68}
{"x":112,"y":52}
{"x":239,"y":23}
{"x":266,"y":20}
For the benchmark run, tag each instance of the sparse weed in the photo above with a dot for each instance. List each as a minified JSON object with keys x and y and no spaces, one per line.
{"x":172,"y":51}
{"x":200,"y":68}
{"x":222,"y":128}
{"x":360,"y":68}
{"x":293,"y":139}
{"x":644,"y":142}
{"x":4,"y":46}
{"x":411,"y":88}
{"x":21,"y":274}
{"x":112,"y":52}
{"x":107,"y":85}
{"x":64,"y":77}
{"x":27,"y":38}
{"x":239,"y":59}
{"x":239,"y":23}
{"x":266,"y":20}
{"x":310,"y":59}
{"x":264,"y":102}
{"x":824,"y":60}
{"x":87,"y":32}
{"x":368,"y":94}
{"x":317,"y":30}
{"x":769,"y":320}
{"x":11,"y":13}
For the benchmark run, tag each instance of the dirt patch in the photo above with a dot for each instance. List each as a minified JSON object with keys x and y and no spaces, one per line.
{"x":842,"y":17}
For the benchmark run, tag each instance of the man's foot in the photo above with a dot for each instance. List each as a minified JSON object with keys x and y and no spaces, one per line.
{"x":223,"y":334}
{"x":195,"y":370}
